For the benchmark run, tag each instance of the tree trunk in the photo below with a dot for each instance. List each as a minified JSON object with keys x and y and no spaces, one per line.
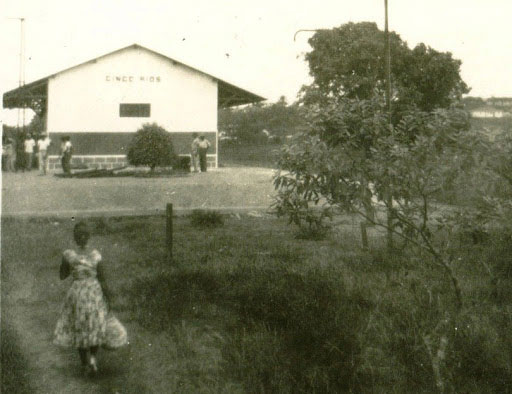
{"x":389,"y":224}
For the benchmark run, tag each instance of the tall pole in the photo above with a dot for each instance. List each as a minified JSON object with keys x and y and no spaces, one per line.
{"x":22,"y":62}
{"x":388,"y":62}
{"x":21,"y":76}
{"x":168,"y":232}
{"x":387,"y":55}
{"x":21,"y":81}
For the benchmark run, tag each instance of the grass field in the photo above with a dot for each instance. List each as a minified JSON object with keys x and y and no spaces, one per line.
{"x":247,"y":307}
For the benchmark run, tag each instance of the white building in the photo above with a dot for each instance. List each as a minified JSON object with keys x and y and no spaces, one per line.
{"x":101,"y":103}
{"x":487,"y":112}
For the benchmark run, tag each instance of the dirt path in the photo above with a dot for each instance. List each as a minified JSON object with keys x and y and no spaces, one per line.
{"x":31,"y":296}
{"x":47,"y":369}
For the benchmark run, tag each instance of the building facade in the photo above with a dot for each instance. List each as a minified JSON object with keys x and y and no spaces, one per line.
{"x":100,"y":104}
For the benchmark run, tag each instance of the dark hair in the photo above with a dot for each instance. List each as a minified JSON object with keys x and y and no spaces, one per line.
{"x":81,"y":233}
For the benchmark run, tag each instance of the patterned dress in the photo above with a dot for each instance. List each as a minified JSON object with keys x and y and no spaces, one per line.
{"x":82,"y":322}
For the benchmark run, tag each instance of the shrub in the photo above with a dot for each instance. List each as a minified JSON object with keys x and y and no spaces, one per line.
{"x":200,"y":218}
{"x":151,"y":146}
{"x":182,"y":163}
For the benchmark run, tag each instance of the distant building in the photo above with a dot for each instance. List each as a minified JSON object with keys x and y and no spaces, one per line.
{"x":488,"y":112}
{"x":101,"y":103}
{"x":504,"y":103}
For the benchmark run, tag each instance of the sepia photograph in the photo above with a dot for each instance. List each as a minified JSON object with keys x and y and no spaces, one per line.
{"x":256,"y":197}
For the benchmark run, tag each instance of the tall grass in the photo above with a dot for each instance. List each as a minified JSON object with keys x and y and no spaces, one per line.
{"x":358,"y":322}
{"x":288,"y":330}
{"x":247,"y":307}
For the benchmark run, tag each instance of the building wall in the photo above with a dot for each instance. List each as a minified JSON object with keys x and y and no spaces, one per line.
{"x":487,"y":114}
{"x":108,"y":150}
{"x":87,"y":98}
{"x":83,"y":103}
{"x":114,"y":144}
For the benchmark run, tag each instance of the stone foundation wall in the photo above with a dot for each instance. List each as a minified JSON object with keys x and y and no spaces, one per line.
{"x":92,"y":162}
{"x":105,"y":162}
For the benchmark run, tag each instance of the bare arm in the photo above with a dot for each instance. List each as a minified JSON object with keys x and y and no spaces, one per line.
{"x":64,"y":269}
{"x":103,"y":282}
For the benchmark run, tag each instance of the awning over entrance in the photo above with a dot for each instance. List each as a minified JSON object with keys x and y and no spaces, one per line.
{"x":33,"y":95}
{"x":230,"y":95}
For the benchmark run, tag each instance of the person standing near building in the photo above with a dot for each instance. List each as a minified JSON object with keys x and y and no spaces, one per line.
{"x":4,"y":153}
{"x":10,"y":155}
{"x":66,"y":154}
{"x":42,"y":146}
{"x":29,"y":151}
{"x":203,"y":146}
{"x":194,"y":152}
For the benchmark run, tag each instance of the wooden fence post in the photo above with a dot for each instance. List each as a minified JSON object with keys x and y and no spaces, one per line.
{"x":364,"y":235}
{"x":169,"y":232}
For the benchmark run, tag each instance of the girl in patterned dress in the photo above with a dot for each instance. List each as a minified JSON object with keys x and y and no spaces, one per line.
{"x":82,"y":323}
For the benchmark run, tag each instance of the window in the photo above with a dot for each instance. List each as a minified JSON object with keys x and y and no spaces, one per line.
{"x":134,"y":110}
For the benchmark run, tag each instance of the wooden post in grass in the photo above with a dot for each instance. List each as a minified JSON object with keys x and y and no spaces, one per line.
{"x":169,"y":232}
{"x":364,"y":235}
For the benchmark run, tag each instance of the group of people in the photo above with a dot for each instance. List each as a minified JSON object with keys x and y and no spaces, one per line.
{"x":199,"y":149}
{"x":12,"y":162}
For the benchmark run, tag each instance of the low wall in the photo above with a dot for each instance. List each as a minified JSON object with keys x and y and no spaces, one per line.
{"x":106,"y":161}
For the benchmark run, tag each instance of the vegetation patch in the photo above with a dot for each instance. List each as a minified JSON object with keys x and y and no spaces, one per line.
{"x":249,"y":308}
{"x":206,"y":218}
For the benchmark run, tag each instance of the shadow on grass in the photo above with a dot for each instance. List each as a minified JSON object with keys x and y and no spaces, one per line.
{"x":307,"y":326}
{"x":14,"y":365}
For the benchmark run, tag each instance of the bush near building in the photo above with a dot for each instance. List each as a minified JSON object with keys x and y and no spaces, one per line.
{"x":151,"y":146}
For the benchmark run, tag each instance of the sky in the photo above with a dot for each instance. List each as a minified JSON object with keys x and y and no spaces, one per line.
{"x":248,"y":43}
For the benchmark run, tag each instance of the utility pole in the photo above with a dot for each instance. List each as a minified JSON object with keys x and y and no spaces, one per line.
{"x":21,"y":76}
{"x":22,"y":62}
{"x":387,"y":57}
{"x":388,"y":62}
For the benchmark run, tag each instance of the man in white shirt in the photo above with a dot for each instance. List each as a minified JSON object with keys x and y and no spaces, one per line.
{"x":29,"y":151}
{"x":66,"y":153}
{"x":203,"y":146}
{"x":42,"y":146}
{"x":194,"y":152}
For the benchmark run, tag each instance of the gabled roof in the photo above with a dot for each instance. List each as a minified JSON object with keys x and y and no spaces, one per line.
{"x":228,"y":95}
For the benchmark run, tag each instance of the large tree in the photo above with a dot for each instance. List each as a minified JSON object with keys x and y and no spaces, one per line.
{"x":348,"y":61}
{"x":351,"y":156}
